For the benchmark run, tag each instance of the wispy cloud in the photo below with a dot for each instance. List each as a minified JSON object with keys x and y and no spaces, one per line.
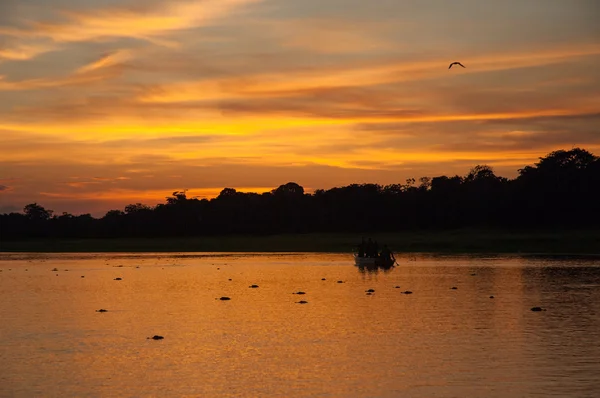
{"x":292,"y":83}
{"x":106,"y":61}
{"x":22,"y":51}
{"x":147,"y":23}
{"x":91,"y":74}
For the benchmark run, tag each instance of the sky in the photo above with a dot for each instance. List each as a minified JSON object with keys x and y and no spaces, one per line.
{"x":104,"y":103}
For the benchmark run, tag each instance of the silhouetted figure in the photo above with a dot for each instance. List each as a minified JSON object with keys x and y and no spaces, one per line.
{"x":375,"y":249}
{"x":386,"y":254}
{"x":361,"y":248}
{"x":370,"y":250}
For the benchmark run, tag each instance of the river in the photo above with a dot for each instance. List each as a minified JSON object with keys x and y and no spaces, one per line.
{"x":467,"y":329}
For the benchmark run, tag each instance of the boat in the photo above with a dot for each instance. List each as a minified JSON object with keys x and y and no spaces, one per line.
{"x":373,"y":262}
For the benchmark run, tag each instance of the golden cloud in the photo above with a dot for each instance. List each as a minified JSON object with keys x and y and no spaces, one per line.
{"x":148,"y":24}
{"x":106,"y":61}
{"x":21,"y":52}
{"x":292,"y":83}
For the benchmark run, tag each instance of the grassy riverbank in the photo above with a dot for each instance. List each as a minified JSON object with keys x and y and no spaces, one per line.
{"x":460,"y":241}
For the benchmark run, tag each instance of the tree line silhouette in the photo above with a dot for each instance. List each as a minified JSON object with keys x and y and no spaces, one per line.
{"x":562,"y":190}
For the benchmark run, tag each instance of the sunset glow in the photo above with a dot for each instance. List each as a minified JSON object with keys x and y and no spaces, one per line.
{"x":108,"y":103}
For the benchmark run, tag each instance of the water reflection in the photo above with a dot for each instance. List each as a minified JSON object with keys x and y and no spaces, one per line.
{"x":373,"y":268}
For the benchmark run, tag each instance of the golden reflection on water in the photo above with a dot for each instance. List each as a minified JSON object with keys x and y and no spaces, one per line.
{"x":437,"y":341}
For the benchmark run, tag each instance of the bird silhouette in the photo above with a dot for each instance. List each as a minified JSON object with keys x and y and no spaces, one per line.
{"x":455,"y":63}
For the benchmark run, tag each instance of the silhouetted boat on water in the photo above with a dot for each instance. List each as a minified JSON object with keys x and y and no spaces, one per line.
{"x":373,"y":262}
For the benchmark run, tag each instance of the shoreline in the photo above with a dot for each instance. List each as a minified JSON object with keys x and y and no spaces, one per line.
{"x":455,"y":242}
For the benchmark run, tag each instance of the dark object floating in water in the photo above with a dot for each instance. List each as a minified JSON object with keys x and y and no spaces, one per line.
{"x":218,"y":268}
{"x":370,"y":291}
{"x":83,"y":276}
{"x":299,"y":293}
{"x":407,"y":292}
{"x":156,"y":337}
{"x":302,"y":302}
{"x":66,"y":270}
{"x":224,"y":298}
{"x":453,"y":288}
{"x":230,"y":279}
{"x":252,"y":286}
{"x":323,"y":279}
{"x":101,"y":310}
{"x":54,"y":269}
{"x":396,"y":287}
{"x":340,"y":281}
{"x":537,"y":309}
{"x":473,"y":274}
{"x":118,"y":266}
{"x":118,"y":279}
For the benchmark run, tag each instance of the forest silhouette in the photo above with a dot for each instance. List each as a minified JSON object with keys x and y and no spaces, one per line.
{"x":561,"y":190}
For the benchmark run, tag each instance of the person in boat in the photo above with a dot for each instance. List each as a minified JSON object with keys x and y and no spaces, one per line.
{"x":387,"y":255}
{"x":369,"y":248}
{"x":362,"y":248}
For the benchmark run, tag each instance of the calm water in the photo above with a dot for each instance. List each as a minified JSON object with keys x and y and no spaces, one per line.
{"x":436,"y":342}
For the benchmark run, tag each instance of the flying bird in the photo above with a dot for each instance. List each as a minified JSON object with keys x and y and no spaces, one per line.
{"x":455,"y":63}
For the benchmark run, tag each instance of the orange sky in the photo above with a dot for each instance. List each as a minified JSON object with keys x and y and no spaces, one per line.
{"x":107,"y":103}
